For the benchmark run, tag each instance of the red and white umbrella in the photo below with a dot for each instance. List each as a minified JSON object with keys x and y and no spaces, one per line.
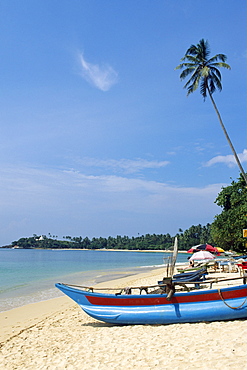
{"x":202,"y":255}
{"x":204,"y":247}
{"x":191,"y":250}
{"x":194,"y":249}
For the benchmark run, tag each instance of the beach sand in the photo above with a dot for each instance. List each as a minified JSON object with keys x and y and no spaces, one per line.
{"x":57,"y":335}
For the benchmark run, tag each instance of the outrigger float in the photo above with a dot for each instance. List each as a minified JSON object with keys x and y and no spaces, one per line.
{"x":162,"y":304}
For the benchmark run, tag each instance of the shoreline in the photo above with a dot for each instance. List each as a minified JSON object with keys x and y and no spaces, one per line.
{"x":57,"y":334}
{"x":103,"y":249}
{"x":15,"y":320}
{"x":91,"y":280}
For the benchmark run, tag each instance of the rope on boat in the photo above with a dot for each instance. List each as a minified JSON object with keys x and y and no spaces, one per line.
{"x":233,"y":308}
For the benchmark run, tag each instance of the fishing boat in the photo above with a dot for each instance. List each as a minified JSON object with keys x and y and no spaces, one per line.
{"x":183,"y":307}
{"x":162,"y":303}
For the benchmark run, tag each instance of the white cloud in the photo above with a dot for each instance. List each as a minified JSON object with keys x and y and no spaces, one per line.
{"x":39,"y":190}
{"x":103,"y":77}
{"x":66,"y":202}
{"x":124,"y":165}
{"x":228,"y":160}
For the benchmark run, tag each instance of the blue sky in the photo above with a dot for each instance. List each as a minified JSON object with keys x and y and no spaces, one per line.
{"x":98,"y":137}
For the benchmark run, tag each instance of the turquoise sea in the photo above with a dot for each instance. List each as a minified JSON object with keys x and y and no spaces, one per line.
{"x":28,"y":276}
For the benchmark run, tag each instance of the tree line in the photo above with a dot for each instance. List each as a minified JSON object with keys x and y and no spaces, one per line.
{"x":194,"y":235}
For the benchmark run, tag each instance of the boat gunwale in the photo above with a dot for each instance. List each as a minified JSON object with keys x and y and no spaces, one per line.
{"x":195,"y":296}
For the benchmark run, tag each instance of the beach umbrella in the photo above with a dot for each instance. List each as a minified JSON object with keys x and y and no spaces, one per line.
{"x":211,"y":249}
{"x":202,"y":255}
{"x":205,"y":247}
{"x":220,"y":250}
{"x":195,"y":248}
{"x":200,"y":246}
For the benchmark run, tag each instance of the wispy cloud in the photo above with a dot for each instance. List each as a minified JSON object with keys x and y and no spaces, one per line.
{"x":123,"y":165}
{"x":103,"y":77}
{"x":63,"y":202}
{"x":228,"y":160}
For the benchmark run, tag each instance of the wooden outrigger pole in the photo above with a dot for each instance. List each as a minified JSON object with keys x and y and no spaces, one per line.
{"x":170,"y":287}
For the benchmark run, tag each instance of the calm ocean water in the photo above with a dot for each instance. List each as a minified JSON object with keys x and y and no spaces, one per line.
{"x":28,"y":276}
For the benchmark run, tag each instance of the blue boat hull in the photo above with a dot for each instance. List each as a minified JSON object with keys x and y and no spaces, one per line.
{"x":207,"y":305}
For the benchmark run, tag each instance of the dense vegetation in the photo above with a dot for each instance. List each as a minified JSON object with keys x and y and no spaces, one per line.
{"x":227,"y":228}
{"x":194,"y":235}
{"x":226,"y":231}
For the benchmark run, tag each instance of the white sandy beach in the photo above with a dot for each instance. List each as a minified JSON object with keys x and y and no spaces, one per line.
{"x":57,"y":334}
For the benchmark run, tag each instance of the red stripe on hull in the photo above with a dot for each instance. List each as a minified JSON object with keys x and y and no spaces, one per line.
{"x":161,"y":300}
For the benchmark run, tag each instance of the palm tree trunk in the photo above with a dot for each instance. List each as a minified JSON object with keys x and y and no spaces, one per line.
{"x":227,"y":137}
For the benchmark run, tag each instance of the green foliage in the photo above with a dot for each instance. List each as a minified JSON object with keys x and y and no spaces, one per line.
{"x":227,"y":227}
{"x":193,"y":236}
{"x":203,"y":70}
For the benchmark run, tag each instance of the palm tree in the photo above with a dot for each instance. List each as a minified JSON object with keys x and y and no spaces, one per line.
{"x":204,"y":72}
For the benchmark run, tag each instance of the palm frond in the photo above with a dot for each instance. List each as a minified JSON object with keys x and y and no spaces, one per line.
{"x":212,"y":86}
{"x":216,"y":71}
{"x":192,"y":50}
{"x":191,"y":58}
{"x":186,"y":72}
{"x":216,"y":81}
{"x":204,"y":50}
{"x":203,"y":70}
{"x":185,"y":65}
{"x":196,"y":83}
{"x":192,"y":79}
{"x":221,"y":64}
{"x":221,"y":57}
{"x":190,"y":90}
{"x":192,"y":84}
{"x":203,"y":88}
